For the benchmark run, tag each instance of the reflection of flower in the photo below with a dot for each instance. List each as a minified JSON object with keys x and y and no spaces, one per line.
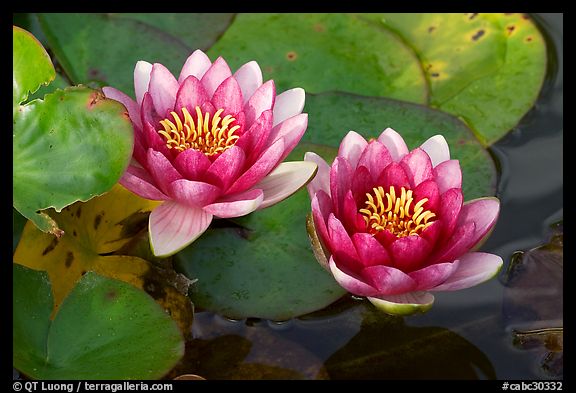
{"x":393,"y":224}
{"x":210,"y":144}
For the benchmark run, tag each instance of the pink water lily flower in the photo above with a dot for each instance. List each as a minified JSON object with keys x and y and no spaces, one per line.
{"x":392,"y":223}
{"x":210,"y":144}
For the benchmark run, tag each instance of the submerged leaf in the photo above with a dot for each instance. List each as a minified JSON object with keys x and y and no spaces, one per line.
{"x":104,"y":329}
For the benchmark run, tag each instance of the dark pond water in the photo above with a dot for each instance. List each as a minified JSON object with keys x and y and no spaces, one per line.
{"x":464,"y":336}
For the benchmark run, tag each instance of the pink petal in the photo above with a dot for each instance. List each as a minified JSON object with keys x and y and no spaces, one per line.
{"x":417,"y":167}
{"x":163,"y":89}
{"x":226,"y":168}
{"x":395,"y":144}
{"x":285,"y":180}
{"x":192,"y":164}
{"x":262,"y":99}
{"x":215,"y":75}
{"x":190,"y":95}
{"x":262,"y":167}
{"x":404,"y":304}
{"x":433,"y":275}
{"x":349,"y":283}
{"x":142,"y":72}
{"x":449,"y":210}
{"x":362,"y":184}
{"x":322,"y":179}
{"x":173,"y":226}
{"x":129,"y":103}
{"x":236,"y":205}
{"x":351,"y":218}
{"x":255,"y":139}
{"x":321,"y":210}
{"x":459,"y":242}
{"x":483,"y":212}
{"x":162,"y":170}
{"x":154,"y":140}
{"x":140,"y":183}
{"x":228,"y":96}
{"x":196,"y":65}
{"x":388,"y":280}
{"x":394,"y":175}
{"x":375,"y":157}
{"x":409,"y":253}
{"x":289,"y":103}
{"x":370,"y":251}
{"x":148,"y":113}
{"x":448,"y":175}
{"x":437,"y":149}
{"x":428,"y":189}
{"x":193,"y":193}
{"x":340,"y":182}
{"x":291,"y":131}
{"x":340,"y":241}
{"x":474,"y":268}
{"x":249,"y":77}
{"x":351,"y":148}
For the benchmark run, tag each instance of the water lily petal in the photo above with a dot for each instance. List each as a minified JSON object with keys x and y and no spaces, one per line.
{"x":249,"y":77}
{"x":196,"y":65}
{"x":163,"y":89}
{"x":340,"y":182}
{"x":448,"y":175}
{"x":409,"y":252}
{"x":215,"y":75}
{"x":449,"y":210}
{"x":190,"y":95}
{"x":388,"y":280}
{"x":161,"y":170}
{"x":349,"y":283}
{"x":291,"y":130}
{"x":193,"y":193}
{"x":351,"y":148}
{"x":433,"y":275}
{"x":228,"y":96}
{"x":417,"y":166}
{"x":370,"y":251}
{"x":428,"y":189}
{"x":236,"y":205}
{"x":340,"y":240}
{"x":142,"y":72}
{"x":437,"y":149}
{"x":226,"y":168}
{"x":255,"y":139}
{"x":375,"y":157}
{"x":192,"y":164}
{"x":262,"y":99}
{"x":141,"y":183}
{"x":351,"y":218}
{"x":394,"y":175}
{"x":404,"y":304}
{"x":322,"y":179}
{"x":289,"y":103}
{"x":474,"y":268}
{"x":129,"y":103}
{"x":154,"y":140}
{"x":262,"y":167}
{"x":395,"y":144}
{"x":147,"y":112}
{"x":173,"y":226}
{"x":362,"y":183}
{"x":321,"y":210}
{"x":285,"y":180}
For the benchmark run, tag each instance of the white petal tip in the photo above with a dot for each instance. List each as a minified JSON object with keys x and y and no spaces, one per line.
{"x":403,"y":305}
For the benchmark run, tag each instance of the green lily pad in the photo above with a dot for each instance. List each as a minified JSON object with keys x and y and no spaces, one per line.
{"x":105,"y":47}
{"x":487,"y":69}
{"x":332,"y":115}
{"x":324,"y":52}
{"x":69,"y":147}
{"x":31,"y":66}
{"x":105,"y":329}
{"x":259,"y":266}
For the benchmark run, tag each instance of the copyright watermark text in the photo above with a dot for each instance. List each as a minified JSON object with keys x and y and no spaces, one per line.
{"x":81,"y":386}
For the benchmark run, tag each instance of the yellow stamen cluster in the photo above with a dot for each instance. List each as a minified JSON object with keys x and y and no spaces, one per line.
{"x":208,"y":137}
{"x":395,"y":213}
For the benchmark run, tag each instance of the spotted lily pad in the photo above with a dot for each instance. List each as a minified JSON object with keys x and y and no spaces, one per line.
{"x":105,"y":47}
{"x":94,"y":233}
{"x":105,"y":329}
{"x":324,"y":52}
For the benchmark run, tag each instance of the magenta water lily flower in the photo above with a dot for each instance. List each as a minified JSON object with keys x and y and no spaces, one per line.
{"x":393,"y":225}
{"x":210,"y":144}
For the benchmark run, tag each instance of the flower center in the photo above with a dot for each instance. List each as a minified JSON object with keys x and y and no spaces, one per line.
{"x":209,"y":137}
{"x":396,"y":214}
